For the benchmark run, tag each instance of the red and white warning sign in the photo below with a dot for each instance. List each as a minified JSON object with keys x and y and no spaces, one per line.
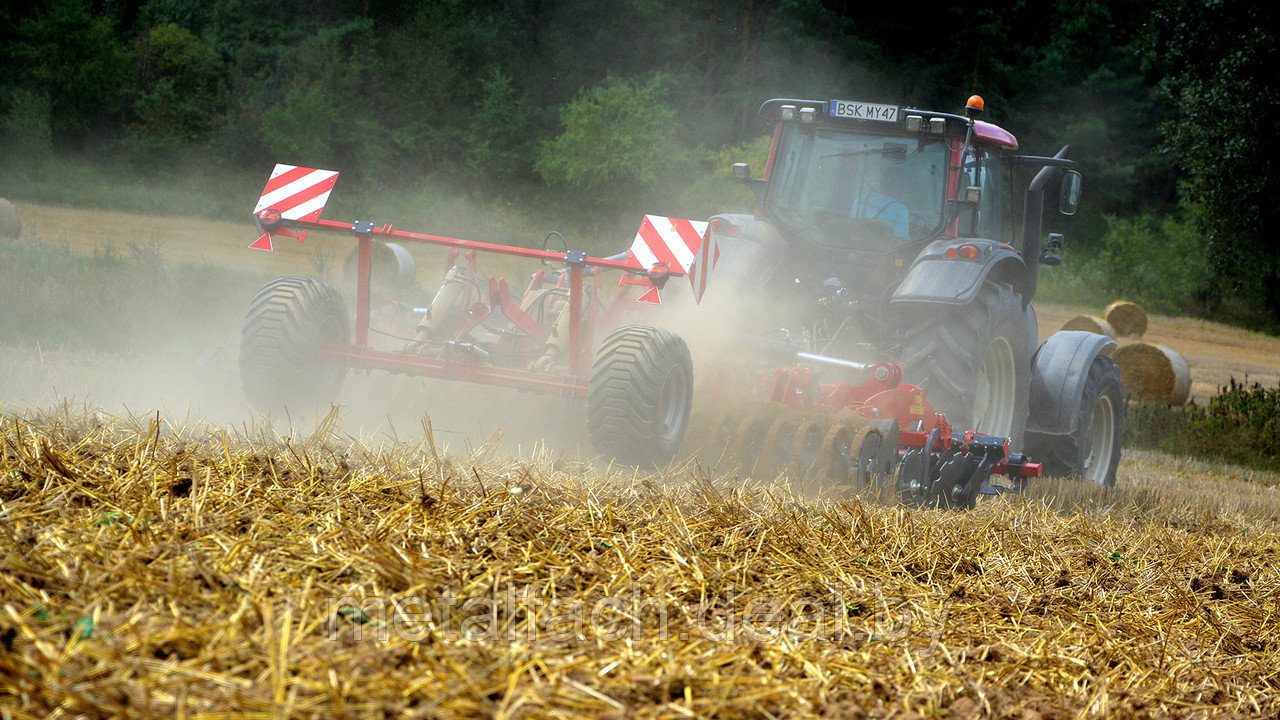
{"x":297,"y":193}
{"x":668,"y":240}
{"x":704,"y":260}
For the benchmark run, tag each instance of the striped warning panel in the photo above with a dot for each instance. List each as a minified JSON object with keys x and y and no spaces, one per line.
{"x":704,"y":260}
{"x":669,"y":240}
{"x":298,"y":193}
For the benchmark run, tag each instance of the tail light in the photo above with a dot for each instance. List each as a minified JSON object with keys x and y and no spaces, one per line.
{"x":270,"y":219}
{"x":659,"y":273}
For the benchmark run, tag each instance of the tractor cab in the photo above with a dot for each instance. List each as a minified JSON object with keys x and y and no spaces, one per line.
{"x":862,"y":193}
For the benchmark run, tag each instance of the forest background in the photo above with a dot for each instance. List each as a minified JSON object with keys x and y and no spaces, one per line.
{"x":579,"y":116}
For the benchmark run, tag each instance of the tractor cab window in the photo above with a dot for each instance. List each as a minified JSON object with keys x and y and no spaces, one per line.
{"x":983,"y":169}
{"x":857,"y":190}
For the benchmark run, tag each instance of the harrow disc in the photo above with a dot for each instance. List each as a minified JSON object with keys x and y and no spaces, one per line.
{"x":868,"y":443}
{"x":911,"y":478}
{"x":806,"y":449}
{"x":748,"y":436}
{"x":700,"y":423}
{"x":776,"y":449}
{"x":750,"y":433}
{"x":836,"y":450}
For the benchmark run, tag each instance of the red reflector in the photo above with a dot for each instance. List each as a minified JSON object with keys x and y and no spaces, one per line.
{"x":718,"y":224}
{"x":269,"y":219}
{"x":951,"y":253}
{"x":968,"y":252}
{"x":659,"y":273}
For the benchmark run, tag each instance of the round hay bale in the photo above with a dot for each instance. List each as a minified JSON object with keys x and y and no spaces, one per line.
{"x":1090,"y":323}
{"x":1154,"y":373}
{"x":1127,"y":318}
{"x":10,"y":224}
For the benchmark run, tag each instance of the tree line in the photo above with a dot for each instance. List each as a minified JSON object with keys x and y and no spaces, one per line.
{"x":1169,"y":105}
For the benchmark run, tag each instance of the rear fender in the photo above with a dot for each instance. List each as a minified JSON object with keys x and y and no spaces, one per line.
{"x":1058,"y":373}
{"x":935,"y":278}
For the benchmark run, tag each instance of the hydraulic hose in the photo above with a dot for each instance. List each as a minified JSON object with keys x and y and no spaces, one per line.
{"x":789,"y":353}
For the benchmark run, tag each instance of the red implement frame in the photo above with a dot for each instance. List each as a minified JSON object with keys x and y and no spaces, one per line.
{"x":360,"y":355}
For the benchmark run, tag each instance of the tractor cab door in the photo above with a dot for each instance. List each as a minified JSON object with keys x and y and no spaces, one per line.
{"x":989,"y":171}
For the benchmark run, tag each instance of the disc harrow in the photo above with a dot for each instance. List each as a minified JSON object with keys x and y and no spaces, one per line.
{"x":775,"y":439}
{"x":880,"y":434}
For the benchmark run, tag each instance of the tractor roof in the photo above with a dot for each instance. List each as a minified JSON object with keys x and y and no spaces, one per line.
{"x":874,"y":116}
{"x":995,"y":134}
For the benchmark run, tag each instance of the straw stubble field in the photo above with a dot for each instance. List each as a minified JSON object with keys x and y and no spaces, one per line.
{"x":160,"y":568}
{"x":161,"y":571}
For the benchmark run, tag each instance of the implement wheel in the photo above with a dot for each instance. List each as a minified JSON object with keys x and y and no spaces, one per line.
{"x":639,"y":395}
{"x":1092,"y":452}
{"x":288,"y":321}
{"x":974,"y":361}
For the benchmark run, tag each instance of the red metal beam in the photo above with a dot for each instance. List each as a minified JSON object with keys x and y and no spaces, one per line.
{"x":367,"y":359}
{"x":362,"y":289}
{"x":386,"y":232}
{"x":575,"y":322}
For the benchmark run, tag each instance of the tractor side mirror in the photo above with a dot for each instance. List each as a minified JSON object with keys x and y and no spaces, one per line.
{"x":742,"y":171}
{"x":1069,"y":200}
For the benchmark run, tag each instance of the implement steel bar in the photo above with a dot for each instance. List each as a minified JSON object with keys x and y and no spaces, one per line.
{"x":387,"y":233}
{"x":369,"y":359}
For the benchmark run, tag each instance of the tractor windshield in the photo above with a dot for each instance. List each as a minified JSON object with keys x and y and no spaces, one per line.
{"x":854,"y":190}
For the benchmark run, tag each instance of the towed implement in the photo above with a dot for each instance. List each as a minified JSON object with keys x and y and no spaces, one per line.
{"x":865,"y":298}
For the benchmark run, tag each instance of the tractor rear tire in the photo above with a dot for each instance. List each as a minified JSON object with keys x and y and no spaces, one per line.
{"x":1092,"y":452}
{"x":974,"y":361}
{"x":288,"y":321}
{"x":639,"y":395}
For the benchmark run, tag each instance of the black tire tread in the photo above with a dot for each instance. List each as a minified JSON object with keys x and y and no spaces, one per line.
{"x":623,"y":392}
{"x":278,"y":339}
{"x":1064,"y":455}
{"x":943,"y":349}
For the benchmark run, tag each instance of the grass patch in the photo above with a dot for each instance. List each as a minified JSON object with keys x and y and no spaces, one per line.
{"x":118,"y":299}
{"x":1239,"y":425}
{"x":520,"y":212}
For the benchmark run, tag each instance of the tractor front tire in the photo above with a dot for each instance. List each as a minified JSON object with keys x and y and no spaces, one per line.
{"x":1092,"y":452}
{"x":973,"y":361}
{"x":288,"y":321}
{"x":639,"y":395}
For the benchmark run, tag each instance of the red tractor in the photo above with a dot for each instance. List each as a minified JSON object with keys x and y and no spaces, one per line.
{"x":880,"y":247}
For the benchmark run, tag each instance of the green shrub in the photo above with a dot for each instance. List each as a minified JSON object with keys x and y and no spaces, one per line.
{"x":617,"y":145}
{"x":1157,"y":262}
{"x":716,"y":190}
{"x":177,"y":100}
{"x":497,"y":139}
{"x":302,"y":129}
{"x":1240,"y":425}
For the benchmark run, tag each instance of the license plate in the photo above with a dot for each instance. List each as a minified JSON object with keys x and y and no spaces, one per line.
{"x":863,"y":111}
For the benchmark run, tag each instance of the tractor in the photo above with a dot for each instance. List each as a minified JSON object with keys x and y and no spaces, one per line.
{"x":887,"y":232}
{"x":879,"y":316}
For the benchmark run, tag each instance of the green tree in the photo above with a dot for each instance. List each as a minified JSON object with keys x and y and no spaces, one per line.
{"x":72,"y":56}
{"x":1219,"y":58}
{"x":178,"y":94}
{"x":498,"y":134}
{"x":302,"y":129}
{"x":617,"y":144}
